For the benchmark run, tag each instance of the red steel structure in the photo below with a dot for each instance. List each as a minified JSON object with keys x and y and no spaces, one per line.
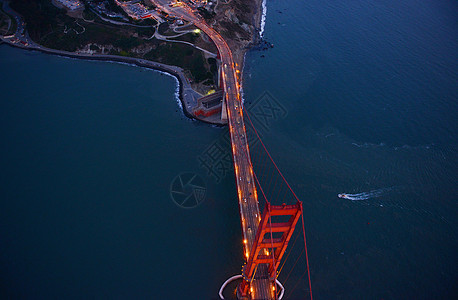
{"x":268,"y":249}
{"x":260,"y":271}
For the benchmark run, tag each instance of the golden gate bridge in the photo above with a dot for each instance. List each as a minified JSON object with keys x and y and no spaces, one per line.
{"x":272,"y":231}
{"x":266,"y":237}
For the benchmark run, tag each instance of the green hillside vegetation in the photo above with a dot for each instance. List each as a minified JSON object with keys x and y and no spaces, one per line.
{"x":184,"y":56}
{"x":53,"y":28}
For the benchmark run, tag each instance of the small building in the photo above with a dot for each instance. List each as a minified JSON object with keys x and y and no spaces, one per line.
{"x":70,"y":4}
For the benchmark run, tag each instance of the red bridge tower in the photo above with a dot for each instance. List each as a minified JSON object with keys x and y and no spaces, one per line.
{"x":270,"y":244}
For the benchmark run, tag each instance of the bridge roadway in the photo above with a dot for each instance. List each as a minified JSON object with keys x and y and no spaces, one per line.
{"x":247,"y":195}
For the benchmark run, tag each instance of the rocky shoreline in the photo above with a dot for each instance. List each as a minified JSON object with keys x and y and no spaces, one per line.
{"x":242,"y":42}
{"x":170,"y":70}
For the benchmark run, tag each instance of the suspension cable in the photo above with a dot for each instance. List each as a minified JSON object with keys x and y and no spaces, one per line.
{"x":260,"y":187}
{"x":306,"y":254}
{"x":289,"y":273}
{"x":290,"y":293}
{"x":274,"y":265}
{"x":291,"y":250}
{"x":264,"y":146}
{"x":294,"y":194}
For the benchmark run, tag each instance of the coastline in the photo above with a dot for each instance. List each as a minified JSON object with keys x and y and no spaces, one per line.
{"x":173,"y":71}
{"x":263,"y":18}
{"x":249,"y":35}
{"x":258,"y":22}
{"x":184,"y":99}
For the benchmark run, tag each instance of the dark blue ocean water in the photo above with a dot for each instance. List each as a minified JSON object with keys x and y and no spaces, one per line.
{"x":368,"y":93}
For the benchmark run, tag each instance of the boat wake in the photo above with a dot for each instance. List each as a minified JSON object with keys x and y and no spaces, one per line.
{"x":365,"y":195}
{"x":397,"y":202}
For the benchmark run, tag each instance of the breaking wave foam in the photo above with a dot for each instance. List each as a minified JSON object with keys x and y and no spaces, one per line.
{"x":263,"y":17}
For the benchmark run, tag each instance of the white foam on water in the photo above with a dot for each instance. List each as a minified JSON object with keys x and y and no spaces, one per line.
{"x":365,"y":195}
{"x":177,"y":85}
{"x":177,"y":92}
{"x":263,"y":17}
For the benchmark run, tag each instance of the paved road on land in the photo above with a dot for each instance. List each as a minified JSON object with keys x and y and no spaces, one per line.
{"x":247,"y":195}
